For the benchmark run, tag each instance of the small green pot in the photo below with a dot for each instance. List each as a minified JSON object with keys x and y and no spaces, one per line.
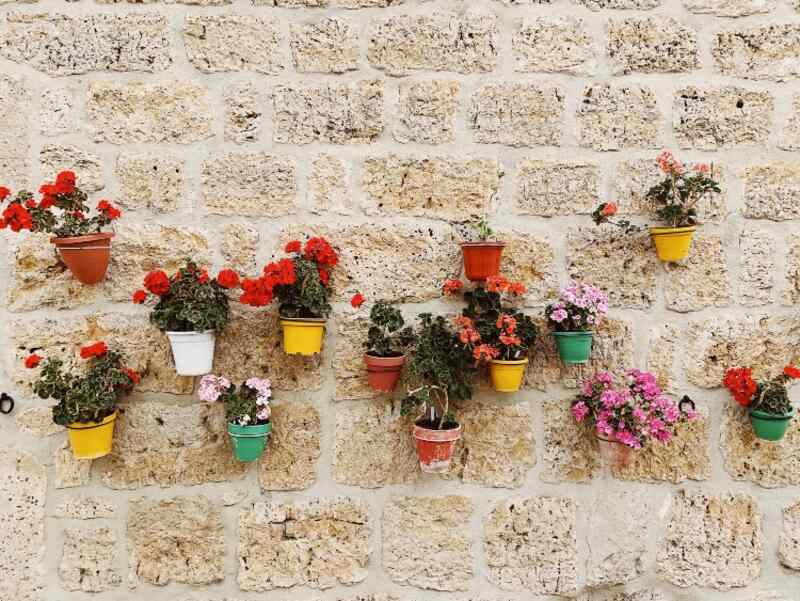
{"x":249,"y":441}
{"x":768,"y":426}
{"x":574,"y":347}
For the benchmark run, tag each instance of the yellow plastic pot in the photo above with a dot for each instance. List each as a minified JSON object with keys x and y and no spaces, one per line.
{"x":302,"y":336}
{"x":91,"y":440}
{"x":672,"y":243}
{"x":507,"y":375}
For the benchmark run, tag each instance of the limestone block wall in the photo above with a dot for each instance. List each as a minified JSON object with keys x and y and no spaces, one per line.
{"x":225,"y":127}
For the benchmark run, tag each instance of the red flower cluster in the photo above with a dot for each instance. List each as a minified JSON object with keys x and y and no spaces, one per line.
{"x":157,"y":282}
{"x":485,"y":352}
{"x":98,"y":349}
{"x":133,"y":375}
{"x":739,"y":381}
{"x":790,"y":371}
{"x":139,"y":297}
{"x":281,"y":273}
{"x":507,"y":326}
{"x":228,"y":278}
{"x":357,"y":300}
{"x":319,"y":251}
{"x":109,"y":210}
{"x":16,"y":217}
{"x":498,"y":283}
{"x":4,"y":192}
{"x":451,"y":287}
{"x":32,"y":361}
{"x":257,"y":292}
{"x":293,"y":247}
{"x":608,"y":209}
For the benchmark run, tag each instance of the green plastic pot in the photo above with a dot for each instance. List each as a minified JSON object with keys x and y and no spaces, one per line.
{"x":768,"y":426}
{"x":249,"y":441}
{"x":574,"y":347}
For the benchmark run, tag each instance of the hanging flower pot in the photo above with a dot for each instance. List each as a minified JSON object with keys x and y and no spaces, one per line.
{"x":507,"y":375}
{"x":574,"y":347}
{"x":193,"y":352}
{"x":302,"y":336}
{"x":769,"y":426}
{"x":249,"y":441}
{"x":383,"y":372}
{"x":672,"y":243}
{"x":481,"y":259}
{"x":91,"y":440}
{"x":435,"y":447}
{"x":613,"y":454}
{"x":86,"y":257}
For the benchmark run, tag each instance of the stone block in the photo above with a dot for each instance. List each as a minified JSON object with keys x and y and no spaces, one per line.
{"x":150,"y":181}
{"x":554,"y":188}
{"x":614,"y":117}
{"x":762,"y":52}
{"x":701,"y":280}
{"x":290,"y":460}
{"x":553,"y":45}
{"x":326,"y":45}
{"x":426,"y":112}
{"x":88,"y":560}
{"x":651,"y":45}
{"x":87,"y":166}
{"x":243,"y":114}
{"x":771,"y":190}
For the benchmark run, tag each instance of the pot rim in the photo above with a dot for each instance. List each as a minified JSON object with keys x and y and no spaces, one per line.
{"x":92,"y":425}
{"x":578,"y":334}
{"x":59,"y":241}
{"x":772,"y":417}
{"x":612,"y":440}
{"x":484,"y":243}
{"x":669,"y":231}
{"x":512,"y":362}
{"x":384,"y":361}
{"x":312,"y":320}
{"x":426,"y":434}
{"x":264,"y":430}
{"x":187,"y":334}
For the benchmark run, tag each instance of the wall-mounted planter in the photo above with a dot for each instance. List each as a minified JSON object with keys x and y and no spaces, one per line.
{"x":481,"y":259}
{"x":507,"y":375}
{"x":91,"y":440}
{"x":574,"y":347}
{"x":768,"y":426}
{"x":383,"y":373}
{"x":87,"y":257}
{"x":613,"y":454}
{"x":672,"y":243}
{"x":193,"y":352}
{"x":249,"y":441}
{"x":302,"y":336}
{"x":435,"y":447}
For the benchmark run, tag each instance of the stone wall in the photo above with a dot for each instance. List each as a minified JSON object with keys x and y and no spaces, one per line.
{"x":223,"y":127}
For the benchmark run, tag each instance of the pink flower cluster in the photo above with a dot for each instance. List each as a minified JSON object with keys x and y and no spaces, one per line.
{"x":579,"y":307}
{"x":212,"y":387}
{"x":633,"y":414}
{"x":263,"y":388}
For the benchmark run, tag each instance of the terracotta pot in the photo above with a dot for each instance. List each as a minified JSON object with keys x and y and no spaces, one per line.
{"x":613,"y":454}
{"x":481,"y":259}
{"x":384,"y":372}
{"x":435,"y":448}
{"x":86,"y":256}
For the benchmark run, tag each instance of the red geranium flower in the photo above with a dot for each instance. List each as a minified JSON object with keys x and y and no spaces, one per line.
{"x":32,"y":361}
{"x":157,"y":282}
{"x":17,"y":218}
{"x":139,"y":297}
{"x":608,"y":209}
{"x":203,"y":277}
{"x":133,"y":375}
{"x":256,"y":292}
{"x":485,"y":352}
{"x":4,"y":192}
{"x":228,"y":278}
{"x":357,"y":300}
{"x":109,"y":210}
{"x":740,"y":382}
{"x":791,"y":371}
{"x":30,"y":204}
{"x":517,"y":288}
{"x":452,"y":286}
{"x":321,"y":252}
{"x":497,"y":283}
{"x":324,"y":276}
{"x":293,"y":246}
{"x":65,"y":182}
{"x":98,"y":349}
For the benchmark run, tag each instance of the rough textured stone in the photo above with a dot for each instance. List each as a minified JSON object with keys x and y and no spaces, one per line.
{"x":721,"y":117}
{"x":651,"y":45}
{"x":610,"y":595}
{"x":662,"y":355}
{"x":437,"y":187}
{"x":123,"y":113}
{"x":750,"y":459}
{"x":597,"y":5}
{"x":623,"y":265}
{"x":57,"y":112}
{"x":15,"y":143}
{"x":329,"y":185}
{"x":392,"y":457}
{"x":327,"y":45}
{"x":553,"y":188}
{"x":338,"y":113}
{"x":255,"y":184}
{"x":243,"y":114}
{"x":701,"y":280}
{"x":757,"y":264}
{"x":199,"y":3}
{"x":791,"y":293}
{"x":715,"y":344}
{"x":23,"y":486}
{"x":789,"y":549}
{"x":353,"y":4}
{"x":569,"y":455}
{"x":86,"y":165}
{"x":85,"y":508}
{"x":293,"y":3}
{"x":517,"y":114}
{"x":348,"y":358}
{"x":764,"y":52}
{"x":789,"y":138}
{"x":712,"y":541}
{"x":553,"y":45}
{"x":614,"y":117}
{"x":222,"y":43}
{"x":426,"y":112}
{"x":150,"y":181}
{"x":69,"y":471}
{"x":88,"y":560}
{"x":531,"y":545}
{"x":38,"y":422}
{"x":58,"y":44}
{"x":156,"y":443}
{"x":239,"y":247}
{"x":772,"y":191}
{"x":729,"y":8}
{"x":530,"y":259}
{"x":290,"y":461}
{"x":317,"y":543}
{"x":175,"y":540}
{"x":417,"y":529}
{"x":465,"y":43}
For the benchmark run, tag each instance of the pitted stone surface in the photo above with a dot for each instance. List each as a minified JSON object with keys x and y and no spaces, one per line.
{"x":427,"y":111}
{"x":38,"y":422}
{"x":772,"y":191}
{"x":569,"y":454}
{"x":327,"y":45}
{"x":789,"y":545}
{"x":791,"y":293}
{"x":662,"y":355}
{"x":613,"y":117}
{"x":712,"y":541}
{"x":765,"y":52}
{"x":57,"y":112}
{"x":69,"y":472}
{"x":701,"y":280}
{"x":240,"y":247}
{"x":54,"y":158}
{"x":318,"y":543}
{"x":243,"y":114}
{"x":415,"y":529}
{"x":15,"y":162}
{"x":530,"y":259}
{"x":757,"y":265}
{"x":598,"y":5}
{"x":789,"y":138}
{"x":150,"y":181}
{"x":348,"y":358}
{"x":531,"y":545}
{"x":553,"y":45}
{"x":85,"y":508}
{"x":178,"y":540}
{"x":651,"y":45}
{"x":555,"y":188}
{"x":88,"y":560}
{"x":290,"y":460}
{"x":729,"y":8}
{"x":329,"y":185}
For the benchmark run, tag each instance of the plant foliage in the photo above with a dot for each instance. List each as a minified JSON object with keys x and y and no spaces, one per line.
{"x":388,"y":336}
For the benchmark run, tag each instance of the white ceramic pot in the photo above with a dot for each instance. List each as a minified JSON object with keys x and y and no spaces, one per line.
{"x":193,"y":352}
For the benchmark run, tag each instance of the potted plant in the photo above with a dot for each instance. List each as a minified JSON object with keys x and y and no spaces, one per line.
{"x":482,"y":253}
{"x":191,"y":308}
{"x":494,"y":331}
{"x":87,"y":402}
{"x":579,"y":309}
{"x":440,"y":369}
{"x":628,"y":416}
{"x":766,"y":401}
{"x":62,"y":211}
{"x":246,"y":409}
{"x":388,"y":339}
{"x":675,"y":198}
{"x":300,"y":283}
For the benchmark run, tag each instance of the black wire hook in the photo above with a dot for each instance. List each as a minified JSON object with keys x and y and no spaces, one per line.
{"x":6,"y":404}
{"x":686,"y":401}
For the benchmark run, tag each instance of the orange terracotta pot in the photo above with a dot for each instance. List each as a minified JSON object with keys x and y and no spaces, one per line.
{"x":86,"y":256}
{"x":435,"y":448}
{"x":384,"y":372}
{"x":481,"y":259}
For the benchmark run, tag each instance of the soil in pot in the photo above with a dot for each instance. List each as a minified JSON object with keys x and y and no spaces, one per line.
{"x":91,"y":440}
{"x":481,"y":259}
{"x":435,"y":447}
{"x":86,"y":257}
{"x":383,"y":373}
{"x":672,"y":243}
{"x":193,"y":352}
{"x":249,"y":441}
{"x":302,"y":336}
{"x":768,"y":426}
